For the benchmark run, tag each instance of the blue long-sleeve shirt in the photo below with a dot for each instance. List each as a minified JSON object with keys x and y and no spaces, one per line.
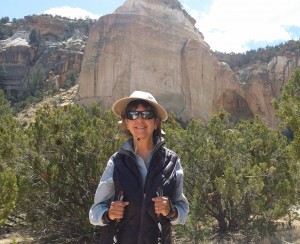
{"x":106,"y":189}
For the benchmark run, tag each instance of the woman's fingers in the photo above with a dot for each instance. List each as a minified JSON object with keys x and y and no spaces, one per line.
{"x":116,"y":210}
{"x":161,"y":205}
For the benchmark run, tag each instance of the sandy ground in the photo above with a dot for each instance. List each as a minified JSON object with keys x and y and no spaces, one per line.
{"x":285,"y":235}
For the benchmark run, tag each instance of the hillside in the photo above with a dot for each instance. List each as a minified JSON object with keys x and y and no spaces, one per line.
{"x":239,"y":60}
{"x":62,"y":98}
{"x":40,"y":54}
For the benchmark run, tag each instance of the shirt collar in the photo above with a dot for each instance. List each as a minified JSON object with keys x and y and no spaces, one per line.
{"x":128,"y":145}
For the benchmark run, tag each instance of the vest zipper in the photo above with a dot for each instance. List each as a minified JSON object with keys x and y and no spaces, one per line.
{"x":142,"y":219}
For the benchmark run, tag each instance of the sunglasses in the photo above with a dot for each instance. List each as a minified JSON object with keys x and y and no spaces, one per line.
{"x":147,"y":114}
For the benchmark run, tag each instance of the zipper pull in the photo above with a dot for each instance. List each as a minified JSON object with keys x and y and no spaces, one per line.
{"x":121,"y":196}
{"x":159,"y":192}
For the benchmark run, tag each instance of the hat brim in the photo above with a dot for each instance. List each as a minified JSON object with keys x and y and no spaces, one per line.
{"x":122,"y":103}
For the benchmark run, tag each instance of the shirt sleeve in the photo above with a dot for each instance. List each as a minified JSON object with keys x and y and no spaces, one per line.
{"x":180,"y":201}
{"x":103,"y":196}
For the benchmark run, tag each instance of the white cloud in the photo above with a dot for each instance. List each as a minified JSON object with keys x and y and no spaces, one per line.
{"x":72,"y":13}
{"x":231,"y":25}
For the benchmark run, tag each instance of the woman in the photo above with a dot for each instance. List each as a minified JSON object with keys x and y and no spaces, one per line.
{"x":140,"y":194}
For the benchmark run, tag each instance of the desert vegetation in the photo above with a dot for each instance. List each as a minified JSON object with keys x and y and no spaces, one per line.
{"x":241,"y":179}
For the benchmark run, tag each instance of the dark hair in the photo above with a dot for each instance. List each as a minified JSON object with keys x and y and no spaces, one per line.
{"x":133,"y":105}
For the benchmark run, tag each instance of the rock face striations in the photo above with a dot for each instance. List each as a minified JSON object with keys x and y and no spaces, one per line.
{"x":154,"y":46}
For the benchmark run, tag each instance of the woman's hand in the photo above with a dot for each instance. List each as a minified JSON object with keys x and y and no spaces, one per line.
{"x":161,"y":205}
{"x":116,"y":210}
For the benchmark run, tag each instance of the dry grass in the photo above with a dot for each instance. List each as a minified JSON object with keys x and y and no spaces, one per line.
{"x":16,"y":238}
{"x":286,"y":235}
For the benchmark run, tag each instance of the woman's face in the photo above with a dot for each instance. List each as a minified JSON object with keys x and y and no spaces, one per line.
{"x":142,"y":128}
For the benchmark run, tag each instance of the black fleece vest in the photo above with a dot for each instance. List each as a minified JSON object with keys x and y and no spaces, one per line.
{"x":140,"y":223}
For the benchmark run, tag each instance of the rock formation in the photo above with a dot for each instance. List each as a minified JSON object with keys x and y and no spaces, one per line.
{"x":49,"y":28}
{"x":16,"y":54}
{"x":153,"y":45}
{"x":60,"y":57}
{"x":147,"y":45}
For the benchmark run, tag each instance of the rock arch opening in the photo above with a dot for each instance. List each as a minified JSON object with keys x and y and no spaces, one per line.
{"x":236,"y":105}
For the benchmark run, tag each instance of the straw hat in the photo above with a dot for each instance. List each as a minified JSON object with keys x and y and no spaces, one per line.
{"x":119,"y":106}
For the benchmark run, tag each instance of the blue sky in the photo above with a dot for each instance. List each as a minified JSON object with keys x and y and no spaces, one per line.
{"x":227,"y":25}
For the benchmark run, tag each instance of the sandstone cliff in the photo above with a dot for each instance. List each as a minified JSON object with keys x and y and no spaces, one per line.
{"x":153,"y":45}
{"x":60,"y":50}
{"x":148,"y":45}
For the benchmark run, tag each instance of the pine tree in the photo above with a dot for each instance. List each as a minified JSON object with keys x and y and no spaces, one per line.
{"x":69,"y":150}
{"x":34,"y":38}
{"x":2,"y":76}
{"x":238,"y":178}
{"x":11,"y":144}
{"x":288,"y":110}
